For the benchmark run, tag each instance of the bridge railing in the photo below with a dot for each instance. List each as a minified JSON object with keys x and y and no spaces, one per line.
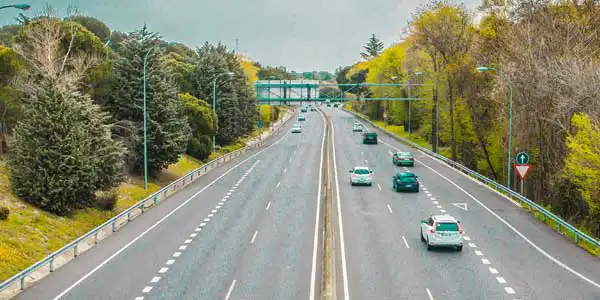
{"x":12,"y":286}
{"x":561,"y":224}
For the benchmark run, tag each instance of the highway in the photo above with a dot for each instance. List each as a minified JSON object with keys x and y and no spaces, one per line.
{"x":245,"y":231}
{"x":381,"y":255}
{"x":252,"y":229}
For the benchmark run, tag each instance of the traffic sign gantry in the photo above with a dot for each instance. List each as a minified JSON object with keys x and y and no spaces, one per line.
{"x":522,"y":158}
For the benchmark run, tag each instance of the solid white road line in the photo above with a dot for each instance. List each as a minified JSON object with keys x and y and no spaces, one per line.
{"x":429,"y":294}
{"x":405,"y":242}
{"x":253,"y":237}
{"x":340,"y":221}
{"x":390,"y":209}
{"x":313,"y":272}
{"x":103,"y":263}
{"x":230,"y":290}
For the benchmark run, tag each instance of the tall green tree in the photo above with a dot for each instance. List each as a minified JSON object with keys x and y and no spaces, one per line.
{"x":63,"y":152}
{"x":10,"y":102}
{"x":373,"y":48}
{"x":203,"y":122}
{"x":278,"y":73}
{"x":97,"y":27}
{"x":168,"y":131}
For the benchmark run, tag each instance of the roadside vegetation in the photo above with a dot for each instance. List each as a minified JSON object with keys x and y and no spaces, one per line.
{"x":556,"y":116}
{"x":71,"y":124}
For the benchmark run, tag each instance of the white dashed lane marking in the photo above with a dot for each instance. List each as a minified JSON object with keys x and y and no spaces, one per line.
{"x":485,"y":261}
{"x":501,"y":280}
{"x":147,"y":289}
{"x":155,"y":279}
{"x":163,"y":270}
{"x":493,"y":271}
{"x":170,"y":262}
{"x":390,"y":208}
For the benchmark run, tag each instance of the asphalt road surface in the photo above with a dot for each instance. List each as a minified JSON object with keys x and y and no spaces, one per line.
{"x":380,"y":254}
{"x":248,"y":235}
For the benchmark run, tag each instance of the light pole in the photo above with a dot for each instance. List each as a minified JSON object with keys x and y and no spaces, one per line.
{"x":214,"y":84}
{"x":145,"y":121}
{"x":17,"y":6}
{"x":510,"y":112}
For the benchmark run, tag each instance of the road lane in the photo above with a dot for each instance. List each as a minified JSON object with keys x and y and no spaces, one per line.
{"x":196,"y":252}
{"x":526,"y":271}
{"x":385,"y":257}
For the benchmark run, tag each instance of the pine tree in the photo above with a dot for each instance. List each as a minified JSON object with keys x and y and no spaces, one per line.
{"x":63,"y":150}
{"x":373,"y":48}
{"x":168,"y":131}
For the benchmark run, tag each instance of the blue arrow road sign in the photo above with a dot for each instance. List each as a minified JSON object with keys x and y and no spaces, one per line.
{"x":522,"y":158}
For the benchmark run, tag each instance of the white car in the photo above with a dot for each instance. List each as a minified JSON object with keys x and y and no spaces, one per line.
{"x":442,"y":230}
{"x":361,"y":175}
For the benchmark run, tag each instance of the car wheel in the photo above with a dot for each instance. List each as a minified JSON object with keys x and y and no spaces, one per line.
{"x":459,"y":248}
{"x":351,"y":183}
{"x":422,"y":238}
{"x":370,"y":184}
{"x":417,"y":190}
{"x":429,"y":247}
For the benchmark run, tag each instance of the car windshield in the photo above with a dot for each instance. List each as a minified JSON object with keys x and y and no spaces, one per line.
{"x":361,"y":171}
{"x":408,"y":178}
{"x":405,"y":154}
{"x":446,"y":227}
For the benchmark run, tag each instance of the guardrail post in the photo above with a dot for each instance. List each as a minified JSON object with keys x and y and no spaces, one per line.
{"x":557,"y":226}
{"x":155,"y":200}
{"x":75,"y":251}
{"x":51,"y":265}
{"x":128,"y":217}
{"x":22,"y":283}
{"x":96,"y":237}
{"x":142,"y":206}
{"x":576,"y":238}
{"x":114,"y":226}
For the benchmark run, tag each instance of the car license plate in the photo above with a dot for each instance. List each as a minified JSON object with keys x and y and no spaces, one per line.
{"x":408,"y":185}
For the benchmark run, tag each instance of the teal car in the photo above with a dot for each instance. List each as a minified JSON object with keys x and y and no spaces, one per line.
{"x":404,"y":159}
{"x":405,"y":182}
{"x":301,"y":118}
{"x":304,"y":109}
{"x":369,"y":138}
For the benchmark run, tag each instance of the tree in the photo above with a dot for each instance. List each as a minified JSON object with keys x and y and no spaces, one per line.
{"x":373,"y":48}
{"x":274,"y":73}
{"x":63,"y":150}
{"x":94,"y":25}
{"x":203,"y":123}
{"x":168,"y":130}
{"x":10,"y":102}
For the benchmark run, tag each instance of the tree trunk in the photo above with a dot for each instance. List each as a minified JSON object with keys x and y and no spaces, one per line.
{"x":452,"y":133}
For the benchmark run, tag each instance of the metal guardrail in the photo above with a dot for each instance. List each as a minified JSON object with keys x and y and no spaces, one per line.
{"x":88,"y":240}
{"x":560,"y":223}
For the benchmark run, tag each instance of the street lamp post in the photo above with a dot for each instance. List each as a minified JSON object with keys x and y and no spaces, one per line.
{"x":510,"y":113}
{"x":145,"y":121}
{"x":214,"y":84}
{"x":17,"y":6}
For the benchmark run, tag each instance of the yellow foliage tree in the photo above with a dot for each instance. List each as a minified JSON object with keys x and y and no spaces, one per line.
{"x":583,"y":161}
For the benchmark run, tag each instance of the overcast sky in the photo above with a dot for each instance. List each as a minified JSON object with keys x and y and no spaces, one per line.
{"x":303,"y":35}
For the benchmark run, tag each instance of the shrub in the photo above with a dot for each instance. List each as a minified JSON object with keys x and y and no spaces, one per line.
{"x":4,"y":211}
{"x":107,"y":200}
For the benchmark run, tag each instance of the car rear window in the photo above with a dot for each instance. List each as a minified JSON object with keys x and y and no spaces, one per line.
{"x":446,"y":227}
{"x":408,"y":179}
{"x":361,"y":171}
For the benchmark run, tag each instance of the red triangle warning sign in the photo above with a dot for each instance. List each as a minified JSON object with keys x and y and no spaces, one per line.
{"x":522,"y":170}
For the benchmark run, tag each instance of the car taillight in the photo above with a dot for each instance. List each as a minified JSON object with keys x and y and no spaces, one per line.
{"x":460,"y":229}
{"x":432,"y":230}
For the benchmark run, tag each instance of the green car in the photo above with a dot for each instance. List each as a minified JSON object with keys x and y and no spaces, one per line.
{"x":404,"y":159}
{"x":406,"y":182}
{"x":301,"y":118}
{"x":296,"y":128}
{"x":369,"y":138}
{"x":357,"y":127}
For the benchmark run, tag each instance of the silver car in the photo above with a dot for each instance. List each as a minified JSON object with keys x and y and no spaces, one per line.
{"x":442,"y":230}
{"x":361,"y":175}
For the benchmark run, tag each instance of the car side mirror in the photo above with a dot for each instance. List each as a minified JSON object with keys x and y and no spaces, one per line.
{"x":458,"y":222}
{"x":371,"y":172}
{"x":417,"y":177}
{"x":350,"y":171}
